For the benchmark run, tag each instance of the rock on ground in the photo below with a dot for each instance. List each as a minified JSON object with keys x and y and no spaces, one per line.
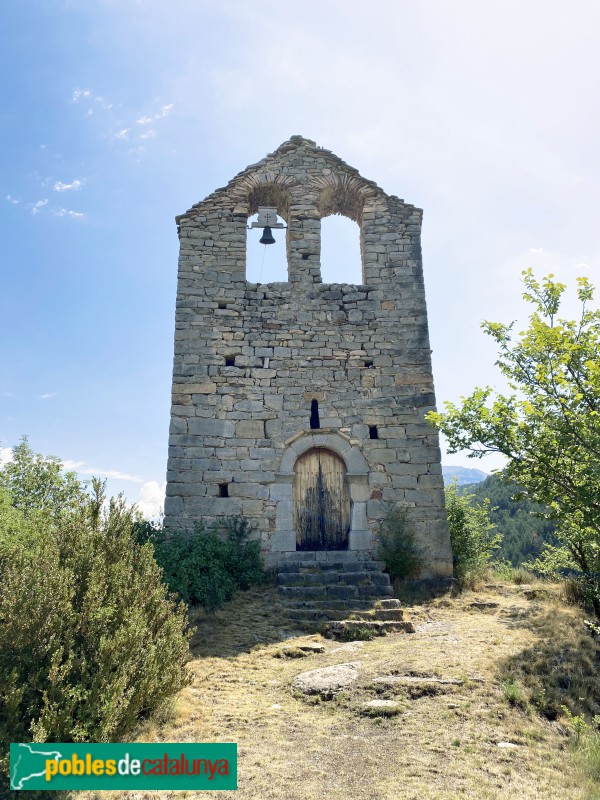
{"x":326,"y":681}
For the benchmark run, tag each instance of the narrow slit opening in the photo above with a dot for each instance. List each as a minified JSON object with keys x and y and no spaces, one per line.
{"x":230,"y":361}
{"x":368,"y":363}
{"x":314,"y":414}
{"x":222,"y":304}
{"x":373,"y":432}
{"x":223,"y":490}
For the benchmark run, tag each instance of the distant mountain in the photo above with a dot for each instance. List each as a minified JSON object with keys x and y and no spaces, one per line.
{"x":462,"y":475}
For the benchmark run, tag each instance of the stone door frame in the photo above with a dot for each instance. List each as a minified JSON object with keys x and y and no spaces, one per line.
{"x":357,"y":474}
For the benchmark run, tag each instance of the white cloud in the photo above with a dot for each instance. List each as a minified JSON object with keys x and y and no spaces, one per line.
{"x":151,"y":499}
{"x":47,"y":395}
{"x":82,"y":468}
{"x":80,"y":94}
{"x":164,"y":110}
{"x":6,"y":455}
{"x":148,"y":134}
{"x":12,"y":200}
{"x":114,"y":473}
{"x":65,"y":212}
{"x":86,"y":95}
{"x":123,"y":133}
{"x":72,"y":465}
{"x":59,"y":186}
{"x":35,"y":207}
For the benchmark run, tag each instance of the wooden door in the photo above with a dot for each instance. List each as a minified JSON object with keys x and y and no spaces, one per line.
{"x":321,"y":501}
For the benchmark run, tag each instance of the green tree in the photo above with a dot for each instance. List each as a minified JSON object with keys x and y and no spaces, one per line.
{"x":37,"y":483}
{"x":90,"y":641}
{"x":471,"y":535}
{"x":548,"y":427}
{"x":524,"y":529}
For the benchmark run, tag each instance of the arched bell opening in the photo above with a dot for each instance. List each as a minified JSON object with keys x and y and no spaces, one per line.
{"x":342,"y":235}
{"x":266,"y":262}
{"x":341,"y":258}
{"x":321,"y":501}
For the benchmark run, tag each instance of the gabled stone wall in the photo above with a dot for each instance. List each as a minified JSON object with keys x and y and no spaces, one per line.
{"x":250,"y":358}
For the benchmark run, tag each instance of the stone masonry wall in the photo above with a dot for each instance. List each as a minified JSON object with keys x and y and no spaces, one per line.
{"x":250,"y":358}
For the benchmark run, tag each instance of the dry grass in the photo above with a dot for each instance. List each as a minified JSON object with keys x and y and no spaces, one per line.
{"x":443,"y":745}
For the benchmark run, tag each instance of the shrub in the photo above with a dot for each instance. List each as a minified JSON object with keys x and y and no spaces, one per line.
{"x":505,"y":571}
{"x":90,"y":642}
{"x":512,"y":692}
{"x":397,"y":548}
{"x":471,"y":536}
{"x":557,"y":562}
{"x":207,"y":567}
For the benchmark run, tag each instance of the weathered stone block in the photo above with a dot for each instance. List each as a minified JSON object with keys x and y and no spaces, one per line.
{"x":210,"y":427}
{"x":250,"y":429}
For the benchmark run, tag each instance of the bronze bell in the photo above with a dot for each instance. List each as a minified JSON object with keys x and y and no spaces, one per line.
{"x":267,"y":237}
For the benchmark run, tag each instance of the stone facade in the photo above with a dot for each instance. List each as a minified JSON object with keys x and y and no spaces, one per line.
{"x":250,"y":359}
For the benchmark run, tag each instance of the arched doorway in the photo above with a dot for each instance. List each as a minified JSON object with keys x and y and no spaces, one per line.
{"x":321,"y":501}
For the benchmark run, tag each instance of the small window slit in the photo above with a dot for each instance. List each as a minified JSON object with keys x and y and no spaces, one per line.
{"x":314,"y":414}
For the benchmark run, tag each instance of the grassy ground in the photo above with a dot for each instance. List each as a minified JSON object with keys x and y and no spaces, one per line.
{"x":518,"y":654}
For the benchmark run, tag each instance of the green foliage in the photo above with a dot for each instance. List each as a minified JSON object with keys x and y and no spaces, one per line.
{"x":587,"y":743}
{"x":513,"y":693}
{"x":90,"y":642}
{"x":37,"y":484}
{"x":207,"y":567}
{"x":505,"y":571}
{"x":524,"y":525}
{"x":548,"y":428}
{"x":473,"y":542}
{"x":397,"y":548}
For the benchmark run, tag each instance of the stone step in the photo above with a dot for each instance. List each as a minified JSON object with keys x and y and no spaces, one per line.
{"x":343,"y":629}
{"x":387,"y":615}
{"x":330,"y":566}
{"x":332,"y":578}
{"x":334,"y":591}
{"x":309,"y":614}
{"x":325,"y":556}
{"x":347,"y":606}
{"x":322,"y":613}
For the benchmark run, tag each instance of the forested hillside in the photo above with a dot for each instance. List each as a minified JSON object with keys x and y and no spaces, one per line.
{"x":524,"y":532}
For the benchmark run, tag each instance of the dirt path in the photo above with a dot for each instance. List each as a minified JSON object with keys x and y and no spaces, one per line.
{"x":460,"y":739}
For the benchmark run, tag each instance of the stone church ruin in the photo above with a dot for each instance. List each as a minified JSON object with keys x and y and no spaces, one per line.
{"x":300,"y":404}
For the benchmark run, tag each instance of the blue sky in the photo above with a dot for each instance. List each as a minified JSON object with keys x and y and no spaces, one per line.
{"x":117,"y":115}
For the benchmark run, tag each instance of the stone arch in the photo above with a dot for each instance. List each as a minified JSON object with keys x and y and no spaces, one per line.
{"x":357,"y":475}
{"x":339,"y":198}
{"x":356,"y":463}
{"x":270,"y":194}
{"x":347,"y":197}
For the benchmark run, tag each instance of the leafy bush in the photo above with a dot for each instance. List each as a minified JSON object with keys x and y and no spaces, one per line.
{"x":397,"y":548}
{"x":90,"y":642}
{"x":471,"y":536}
{"x":505,"y":571}
{"x":207,"y":567}
{"x":512,"y":692}
{"x":558,"y":563}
